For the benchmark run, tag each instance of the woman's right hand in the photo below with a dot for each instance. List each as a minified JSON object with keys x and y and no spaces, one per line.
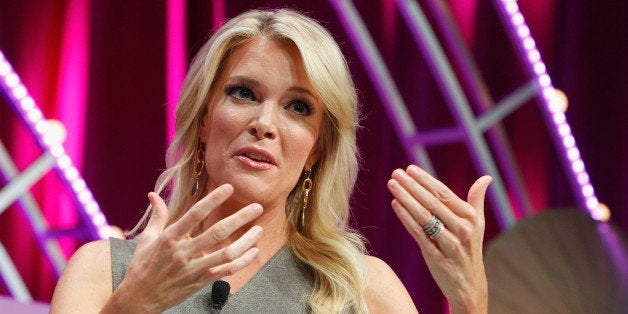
{"x":169,"y":265}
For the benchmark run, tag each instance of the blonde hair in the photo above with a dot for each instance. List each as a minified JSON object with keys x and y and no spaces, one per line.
{"x":326,"y":243}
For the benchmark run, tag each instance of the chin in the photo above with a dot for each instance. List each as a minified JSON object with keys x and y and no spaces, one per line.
{"x":250,"y":189}
{"x":256,"y":187}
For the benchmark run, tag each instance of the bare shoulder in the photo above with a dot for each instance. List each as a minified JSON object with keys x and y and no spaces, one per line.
{"x":86,"y":281}
{"x":385,"y":293}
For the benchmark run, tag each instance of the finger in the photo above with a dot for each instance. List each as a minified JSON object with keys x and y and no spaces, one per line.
{"x":477,"y":194}
{"x":418,"y":213}
{"x":434,"y":251}
{"x":425,"y":199}
{"x":199,"y":211}
{"x":233,"y":251}
{"x":225,"y":227}
{"x":445,"y":239}
{"x":232,"y":267}
{"x":205,"y":275}
{"x":159,"y":215}
{"x":408,"y":221}
{"x":415,"y":230}
{"x":441,"y":194}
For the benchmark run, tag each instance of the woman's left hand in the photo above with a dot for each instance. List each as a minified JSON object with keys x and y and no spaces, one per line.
{"x":454,"y":256}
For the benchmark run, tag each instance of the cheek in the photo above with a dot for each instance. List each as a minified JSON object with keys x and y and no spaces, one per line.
{"x":222,"y":130}
{"x":222,"y":123}
{"x":301,"y":143}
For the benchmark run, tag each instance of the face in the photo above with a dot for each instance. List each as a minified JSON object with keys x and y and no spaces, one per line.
{"x":262,"y":130}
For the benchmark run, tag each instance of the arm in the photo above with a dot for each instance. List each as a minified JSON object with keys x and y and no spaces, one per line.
{"x":384,"y":291}
{"x":86,"y":283}
{"x":454,"y":257}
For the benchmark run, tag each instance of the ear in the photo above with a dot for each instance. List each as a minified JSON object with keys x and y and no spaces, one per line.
{"x":312,"y":158}
{"x":204,"y":128}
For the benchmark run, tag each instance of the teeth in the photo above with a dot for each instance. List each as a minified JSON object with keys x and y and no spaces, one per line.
{"x":257,"y":157}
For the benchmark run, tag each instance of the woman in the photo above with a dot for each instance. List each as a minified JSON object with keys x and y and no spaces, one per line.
{"x":258,"y":182}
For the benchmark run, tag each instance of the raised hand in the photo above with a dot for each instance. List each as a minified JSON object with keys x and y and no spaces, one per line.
{"x":169,"y":265}
{"x":454,"y":256}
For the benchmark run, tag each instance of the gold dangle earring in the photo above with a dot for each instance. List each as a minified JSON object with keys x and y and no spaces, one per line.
{"x":199,"y":167}
{"x":306,"y":188}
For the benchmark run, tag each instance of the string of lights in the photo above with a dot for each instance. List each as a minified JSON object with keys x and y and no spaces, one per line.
{"x":50,"y":135}
{"x":555,"y":104}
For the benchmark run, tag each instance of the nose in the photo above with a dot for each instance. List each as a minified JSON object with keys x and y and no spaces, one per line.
{"x":263,"y":125}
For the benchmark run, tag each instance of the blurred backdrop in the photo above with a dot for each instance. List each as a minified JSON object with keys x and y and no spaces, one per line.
{"x":103,"y":68}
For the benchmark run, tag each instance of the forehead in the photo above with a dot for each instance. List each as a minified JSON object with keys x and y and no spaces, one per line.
{"x":268,"y":60}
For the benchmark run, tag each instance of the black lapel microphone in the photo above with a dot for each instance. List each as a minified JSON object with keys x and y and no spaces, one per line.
{"x":220,"y":294}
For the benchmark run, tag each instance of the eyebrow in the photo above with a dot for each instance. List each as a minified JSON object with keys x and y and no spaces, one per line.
{"x":244,"y":79}
{"x":256,"y":83}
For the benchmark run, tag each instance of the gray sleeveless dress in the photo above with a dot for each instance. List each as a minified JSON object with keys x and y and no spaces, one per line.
{"x":281,"y":286}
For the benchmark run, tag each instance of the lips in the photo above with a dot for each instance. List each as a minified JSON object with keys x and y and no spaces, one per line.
{"x":256,"y":155}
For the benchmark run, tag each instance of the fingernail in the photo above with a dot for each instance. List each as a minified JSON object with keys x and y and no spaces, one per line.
{"x":394,"y":203}
{"x":225,"y":187}
{"x":152,"y":196}
{"x":256,"y":208}
{"x":257,"y":230}
{"x":392,"y":183}
{"x":414,"y":170}
{"x":398,"y":172}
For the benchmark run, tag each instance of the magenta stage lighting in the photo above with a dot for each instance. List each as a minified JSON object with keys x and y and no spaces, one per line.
{"x":48,"y":137}
{"x":553,"y":109}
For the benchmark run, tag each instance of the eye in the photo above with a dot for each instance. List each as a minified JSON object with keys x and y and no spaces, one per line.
{"x":300,"y":107}
{"x":241,"y":92}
